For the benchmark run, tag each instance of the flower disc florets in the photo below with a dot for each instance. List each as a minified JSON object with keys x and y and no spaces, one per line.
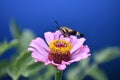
{"x":59,"y":51}
{"x":61,"y":46}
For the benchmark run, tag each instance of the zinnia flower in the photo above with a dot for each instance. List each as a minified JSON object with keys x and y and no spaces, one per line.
{"x":58,"y":52}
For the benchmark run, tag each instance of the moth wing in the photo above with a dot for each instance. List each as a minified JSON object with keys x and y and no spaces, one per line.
{"x":68,"y":29}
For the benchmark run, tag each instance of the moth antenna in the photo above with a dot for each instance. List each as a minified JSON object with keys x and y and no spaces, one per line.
{"x":56,"y":22}
{"x":57,"y":27}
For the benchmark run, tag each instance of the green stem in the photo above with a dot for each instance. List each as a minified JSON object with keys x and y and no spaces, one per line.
{"x":58,"y":75}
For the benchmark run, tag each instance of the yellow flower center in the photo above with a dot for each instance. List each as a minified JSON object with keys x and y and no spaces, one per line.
{"x":61,"y":46}
{"x":59,"y":51}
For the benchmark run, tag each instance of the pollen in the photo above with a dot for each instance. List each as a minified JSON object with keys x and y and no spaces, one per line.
{"x":61,"y":46}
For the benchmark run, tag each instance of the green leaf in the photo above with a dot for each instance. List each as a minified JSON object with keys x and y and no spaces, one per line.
{"x":74,"y":72}
{"x":96,"y":73}
{"x":3,"y":67}
{"x":32,"y":69}
{"x":43,"y":73}
{"x":25,"y":39}
{"x":5,"y":45}
{"x":49,"y":72}
{"x":14,"y":27}
{"x":19,"y":65}
{"x":84,"y":63}
{"x":107,"y":55}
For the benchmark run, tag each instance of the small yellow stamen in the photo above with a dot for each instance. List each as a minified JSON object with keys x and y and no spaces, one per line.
{"x":61,"y":46}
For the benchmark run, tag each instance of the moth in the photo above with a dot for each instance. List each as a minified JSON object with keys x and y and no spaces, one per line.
{"x":66,"y":32}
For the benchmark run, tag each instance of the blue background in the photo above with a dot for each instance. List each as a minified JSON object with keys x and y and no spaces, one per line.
{"x":99,"y":20}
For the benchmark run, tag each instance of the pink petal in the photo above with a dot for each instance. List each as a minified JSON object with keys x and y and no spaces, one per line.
{"x":65,"y":38}
{"x":39,"y":45}
{"x":67,"y":63}
{"x":73,"y":39}
{"x":61,"y":67}
{"x":49,"y":36}
{"x":39,"y":57}
{"x":77,"y":44}
{"x":80,"y":54}
{"x":57,"y":34}
{"x":51,"y":62}
{"x":48,"y":62}
{"x":42,"y":42}
{"x":31,"y":49}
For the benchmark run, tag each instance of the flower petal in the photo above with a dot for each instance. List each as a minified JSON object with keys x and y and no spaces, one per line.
{"x":42,"y":42}
{"x":73,"y":39}
{"x":49,"y":36}
{"x":39,"y":45}
{"x":31,"y":49}
{"x":51,"y":62}
{"x":77,"y":44}
{"x":67,"y":63}
{"x":57,"y":34}
{"x":38,"y":57}
{"x":48,"y":62}
{"x":80,"y":54}
{"x":65,"y":38}
{"x":61,"y":67}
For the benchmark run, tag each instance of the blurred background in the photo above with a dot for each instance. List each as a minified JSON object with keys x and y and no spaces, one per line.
{"x":99,"y":20}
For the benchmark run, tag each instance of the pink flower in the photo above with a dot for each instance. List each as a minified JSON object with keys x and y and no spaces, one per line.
{"x":58,"y":52}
